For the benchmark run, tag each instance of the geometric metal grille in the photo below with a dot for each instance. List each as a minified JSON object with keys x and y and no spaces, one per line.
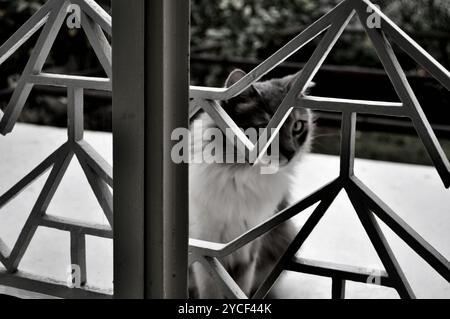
{"x":94,"y":21}
{"x":366,"y":204}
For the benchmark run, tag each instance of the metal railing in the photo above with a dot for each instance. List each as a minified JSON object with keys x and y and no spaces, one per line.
{"x":95,"y":22}
{"x":367,"y":205}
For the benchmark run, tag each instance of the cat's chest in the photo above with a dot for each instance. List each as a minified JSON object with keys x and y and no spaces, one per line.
{"x":223,"y":207}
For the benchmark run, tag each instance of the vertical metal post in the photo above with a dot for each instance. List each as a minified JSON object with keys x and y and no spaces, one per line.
{"x":150,"y":100}
{"x":338,"y":288}
{"x":348,"y":131}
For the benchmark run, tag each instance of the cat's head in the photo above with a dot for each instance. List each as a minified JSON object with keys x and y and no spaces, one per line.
{"x":255,"y":107}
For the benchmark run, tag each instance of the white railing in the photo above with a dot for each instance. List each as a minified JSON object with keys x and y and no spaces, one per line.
{"x":367,"y":205}
{"x":97,"y":22}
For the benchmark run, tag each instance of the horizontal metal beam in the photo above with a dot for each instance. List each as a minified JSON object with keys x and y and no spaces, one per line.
{"x":333,"y":270}
{"x":85,"y":82}
{"x":75,"y":226}
{"x":49,"y":287}
{"x":352,"y":106}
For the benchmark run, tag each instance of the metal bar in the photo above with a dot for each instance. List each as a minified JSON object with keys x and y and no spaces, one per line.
{"x":276,"y":59}
{"x":338,"y":288}
{"x":4,"y":252}
{"x":194,"y":108}
{"x":352,"y":106}
{"x":95,"y":161}
{"x":34,"y":65}
{"x":348,"y":135}
{"x":75,"y":116}
{"x":78,"y":257}
{"x":403,"y":230}
{"x":98,"y":42}
{"x":62,"y":80}
{"x":167,"y":210}
{"x":64,"y":224}
{"x":100,"y":189}
{"x":32,"y":176}
{"x":151,"y":192}
{"x":381,"y":245}
{"x":411,"y":47}
{"x":26,"y":31}
{"x":129,"y":143}
{"x":331,"y":270}
{"x":199,"y":248}
{"x":225,"y":122}
{"x":293,"y":248}
{"x":43,"y":286}
{"x":47,"y":193}
{"x":223,"y":278}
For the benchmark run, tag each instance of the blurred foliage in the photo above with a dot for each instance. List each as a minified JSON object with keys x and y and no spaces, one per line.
{"x":70,"y":53}
{"x":420,"y":15}
{"x":257,"y":28}
{"x":247,"y":27}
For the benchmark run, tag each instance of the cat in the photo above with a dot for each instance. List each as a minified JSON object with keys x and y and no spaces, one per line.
{"x":226,"y":200}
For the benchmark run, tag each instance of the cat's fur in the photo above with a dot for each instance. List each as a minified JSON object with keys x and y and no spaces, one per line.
{"x":226,"y":200}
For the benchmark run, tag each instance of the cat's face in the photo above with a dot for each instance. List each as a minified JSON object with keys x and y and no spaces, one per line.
{"x":255,"y":107}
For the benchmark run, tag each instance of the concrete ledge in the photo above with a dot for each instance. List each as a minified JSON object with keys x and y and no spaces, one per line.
{"x":414,"y":192}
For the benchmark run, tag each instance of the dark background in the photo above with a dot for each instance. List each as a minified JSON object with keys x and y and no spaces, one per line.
{"x":242,"y":33}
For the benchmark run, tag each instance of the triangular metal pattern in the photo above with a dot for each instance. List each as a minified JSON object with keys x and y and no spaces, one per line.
{"x":38,"y":211}
{"x":51,"y":16}
{"x":34,"y":65}
{"x":100,"y":189}
{"x":208,"y":99}
{"x":99,"y":42}
{"x":412,"y":106}
{"x":382,"y":247}
{"x":95,"y":21}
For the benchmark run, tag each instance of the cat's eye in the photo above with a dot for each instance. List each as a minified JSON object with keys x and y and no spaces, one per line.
{"x":298,"y":127}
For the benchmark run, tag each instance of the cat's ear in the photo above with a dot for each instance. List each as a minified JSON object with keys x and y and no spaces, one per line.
{"x":234,"y":77}
{"x":290,"y":80}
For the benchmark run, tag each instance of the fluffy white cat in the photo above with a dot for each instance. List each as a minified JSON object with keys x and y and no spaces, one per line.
{"x":227,"y":200}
